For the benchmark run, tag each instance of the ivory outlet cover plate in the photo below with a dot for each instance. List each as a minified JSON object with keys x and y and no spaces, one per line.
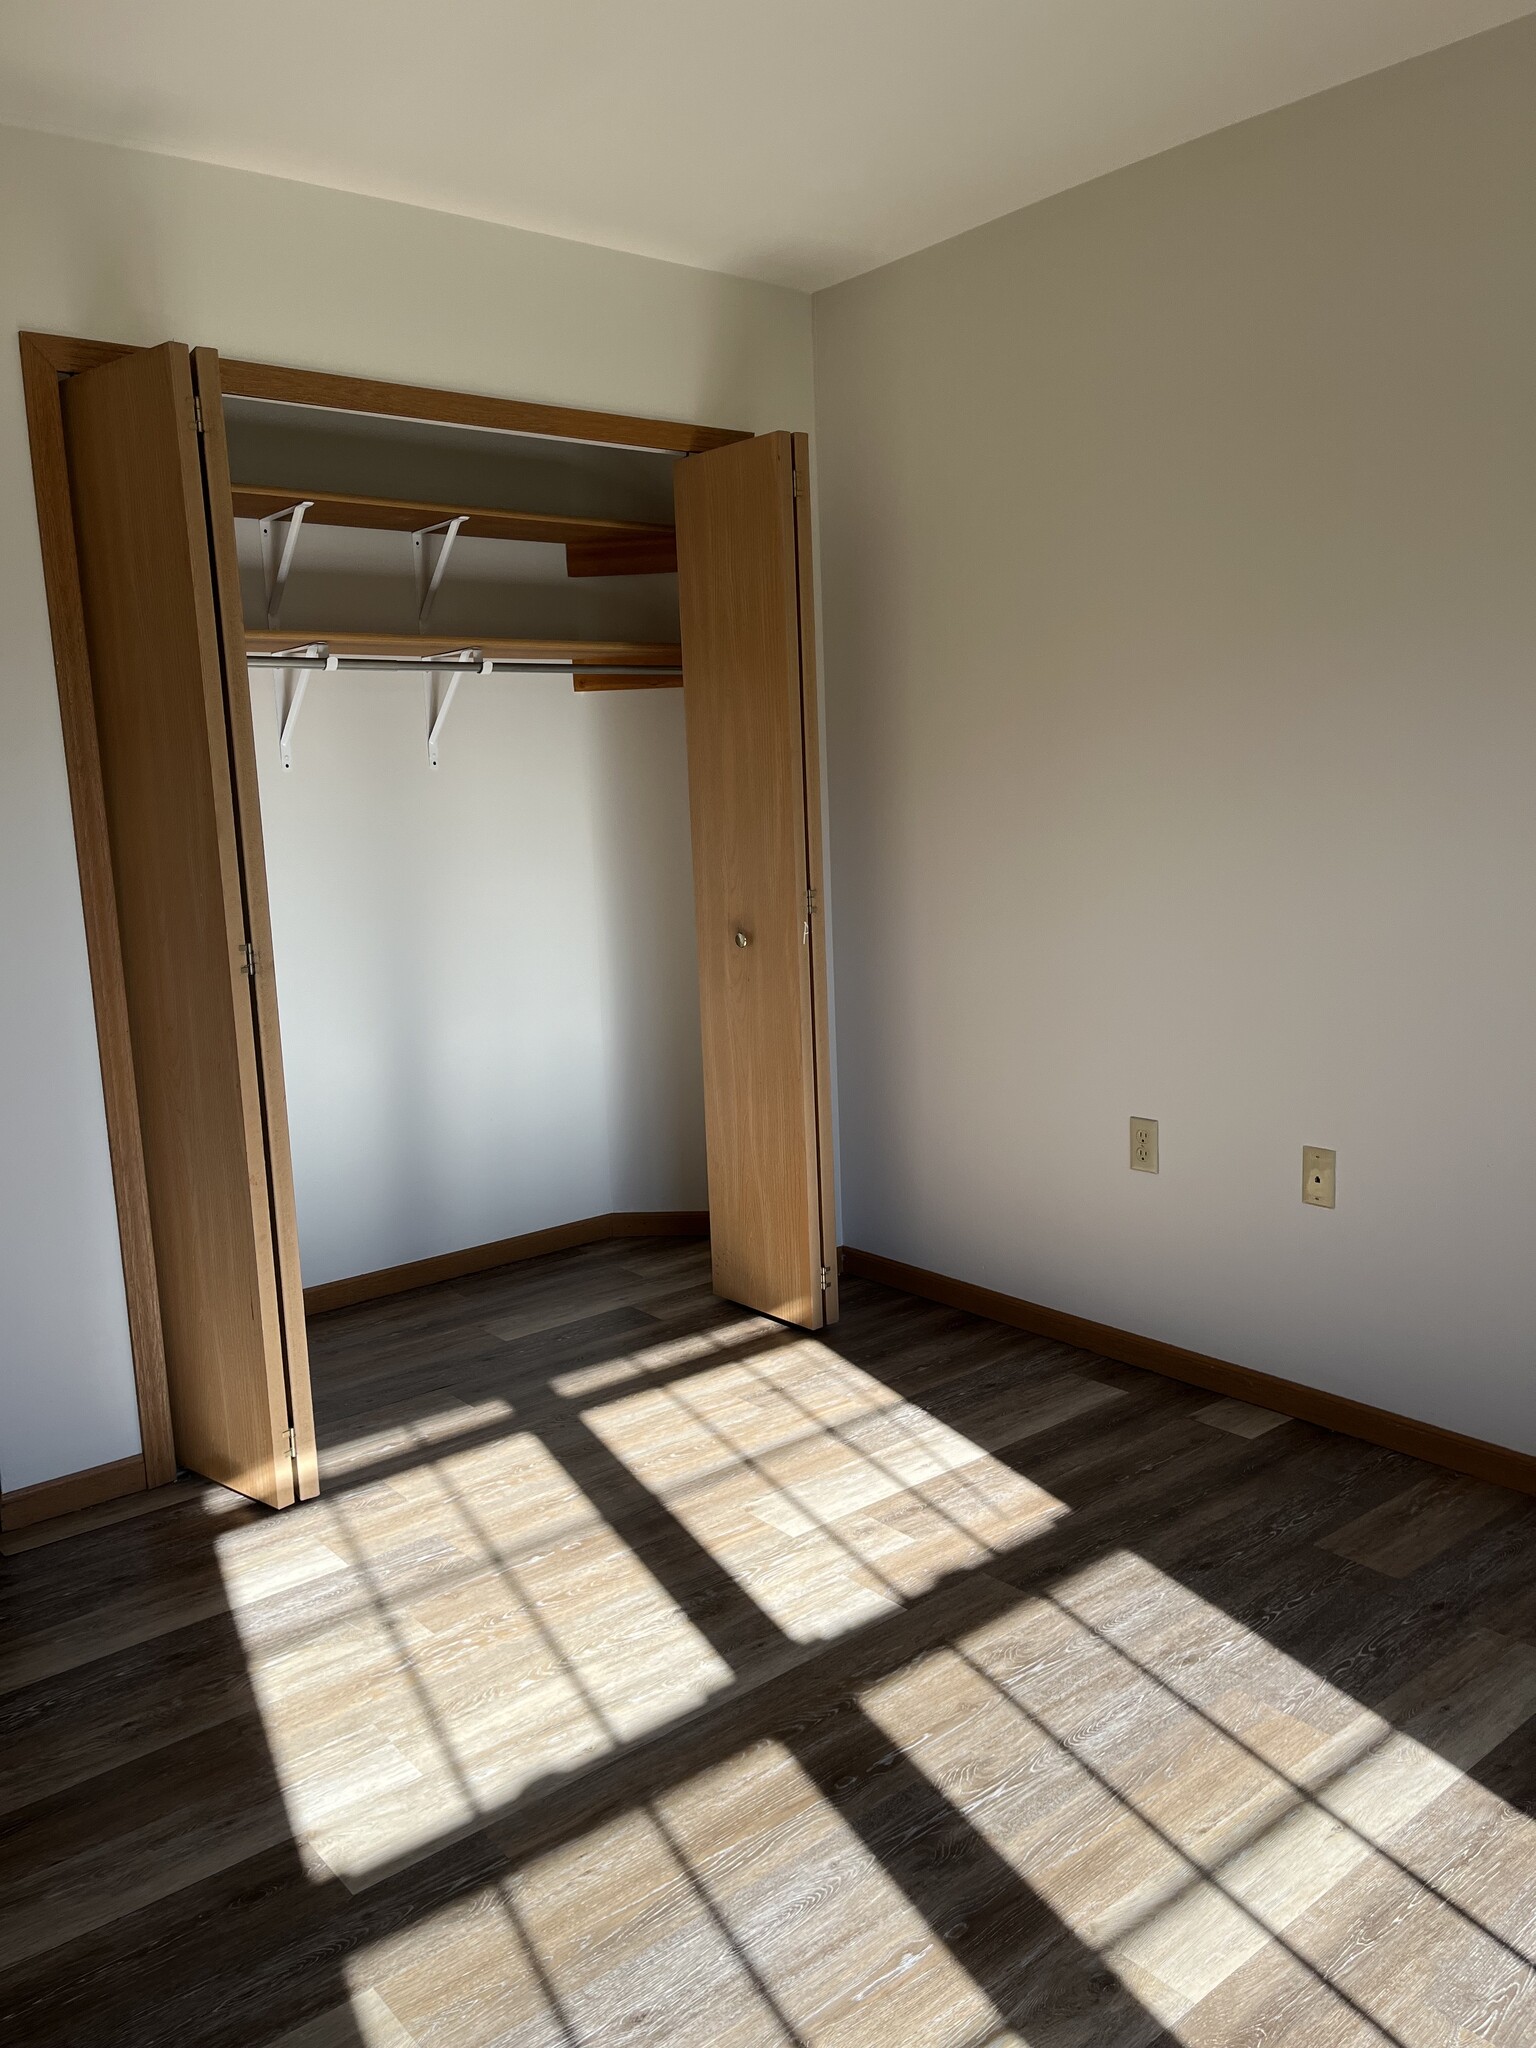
{"x":1143,"y":1144}
{"x":1317,"y":1176}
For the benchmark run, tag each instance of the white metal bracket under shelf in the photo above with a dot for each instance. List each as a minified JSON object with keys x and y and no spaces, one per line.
{"x":275,"y":566}
{"x":291,"y":685}
{"x":437,"y":707}
{"x":428,"y":585}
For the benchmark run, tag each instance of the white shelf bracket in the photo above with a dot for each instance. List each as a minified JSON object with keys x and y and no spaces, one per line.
{"x":291,"y":685}
{"x":275,"y":566}
{"x":428,"y":585}
{"x":437,"y":707}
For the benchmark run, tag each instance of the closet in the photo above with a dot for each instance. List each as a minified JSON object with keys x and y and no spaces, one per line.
{"x":229,"y":519}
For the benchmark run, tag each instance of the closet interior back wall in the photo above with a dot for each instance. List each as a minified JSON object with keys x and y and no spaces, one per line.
{"x":485,"y":969}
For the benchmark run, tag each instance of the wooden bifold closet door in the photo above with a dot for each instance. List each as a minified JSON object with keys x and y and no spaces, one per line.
{"x":155,"y":535}
{"x":754,"y":783}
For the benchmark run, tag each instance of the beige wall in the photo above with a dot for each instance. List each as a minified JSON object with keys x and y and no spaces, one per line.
{"x":1179,"y":542}
{"x":1180,"y":614}
{"x":134,"y":247}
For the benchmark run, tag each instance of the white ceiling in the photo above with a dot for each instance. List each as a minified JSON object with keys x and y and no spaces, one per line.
{"x":796,"y":140}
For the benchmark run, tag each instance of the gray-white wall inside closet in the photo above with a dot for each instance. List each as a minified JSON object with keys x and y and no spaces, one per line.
{"x":485,"y":969}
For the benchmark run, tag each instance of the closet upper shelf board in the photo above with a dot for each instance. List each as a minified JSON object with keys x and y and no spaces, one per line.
{"x":271,"y":383}
{"x":308,"y":452}
{"x":593,"y":546}
{"x":582,"y":654}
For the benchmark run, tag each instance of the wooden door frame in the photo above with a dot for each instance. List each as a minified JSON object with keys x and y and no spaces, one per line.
{"x":46,"y":361}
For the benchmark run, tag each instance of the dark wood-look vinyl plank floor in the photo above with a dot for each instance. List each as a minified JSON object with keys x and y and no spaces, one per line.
{"x":651,"y":1673}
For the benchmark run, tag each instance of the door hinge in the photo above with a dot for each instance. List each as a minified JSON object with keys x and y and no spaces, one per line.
{"x":797,"y":483}
{"x":293,"y":1441}
{"x":197,"y":410}
{"x":248,"y":960}
{"x":826,"y":1278}
{"x":810,"y":902}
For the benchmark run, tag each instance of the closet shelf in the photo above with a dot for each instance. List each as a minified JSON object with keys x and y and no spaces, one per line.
{"x":593,"y":547}
{"x":594,"y":664}
{"x":417,"y":647}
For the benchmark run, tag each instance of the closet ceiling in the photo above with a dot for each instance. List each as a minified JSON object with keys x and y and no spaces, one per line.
{"x":799,"y":141}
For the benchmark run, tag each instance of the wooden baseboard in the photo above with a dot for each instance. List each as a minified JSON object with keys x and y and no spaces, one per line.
{"x":1493,"y":1462}
{"x":481,"y":1258}
{"x":72,"y":1491}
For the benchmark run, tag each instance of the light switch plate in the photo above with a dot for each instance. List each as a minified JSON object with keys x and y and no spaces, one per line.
{"x":1143,"y":1144}
{"x":1317,"y":1176}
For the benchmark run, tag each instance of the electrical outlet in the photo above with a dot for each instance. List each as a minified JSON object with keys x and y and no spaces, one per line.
{"x":1143,"y":1144}
{"x":1317,"y":1175}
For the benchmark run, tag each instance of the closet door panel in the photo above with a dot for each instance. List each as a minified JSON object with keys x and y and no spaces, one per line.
{"x":744,"y":693}
{"x":258,"y":917}
{"x":157,"y":681}
{"x":821,"y":1022}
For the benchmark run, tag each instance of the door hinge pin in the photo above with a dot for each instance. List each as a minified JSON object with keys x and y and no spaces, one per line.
{"x":197,"y":410}
{"x":293,"y":1444}
{"x":248,"y":959}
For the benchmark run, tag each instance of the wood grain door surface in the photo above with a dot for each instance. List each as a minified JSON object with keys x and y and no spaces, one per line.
{"x":754,"y":798}
{"x":163,"y":710}
{"x":258,"y":918}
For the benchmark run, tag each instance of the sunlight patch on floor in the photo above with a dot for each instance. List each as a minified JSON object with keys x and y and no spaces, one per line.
{"x":724,"y":1912}
{"x":434,"y":1643}
{"x":695,"y":1348}
{"x":425,"y":1649}
{"x":412,"y":1433}
{"x":1182,"y":1794}
{"x":828,"y":1497}
{"x":1168,"y":1820}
